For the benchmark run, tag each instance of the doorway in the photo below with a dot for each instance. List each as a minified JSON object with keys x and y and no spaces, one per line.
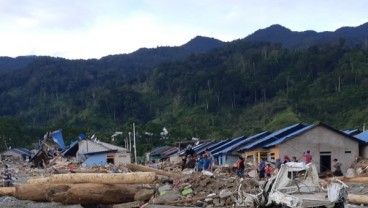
{"x":325,"y":163}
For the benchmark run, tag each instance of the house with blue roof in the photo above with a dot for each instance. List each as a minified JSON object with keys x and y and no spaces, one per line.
{"x":363,"y":148}
{"x":95,"y":153}
{"x":156,"y":153}
{"x":255,"y":149}
{"x":20,"y":154}
{"x":221,"y":152}
{"x":323,"y":141}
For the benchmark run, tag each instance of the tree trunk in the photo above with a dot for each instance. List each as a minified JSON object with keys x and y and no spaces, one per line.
{"x":136,"y":167}
{"x":92,"y":193}
{"x":86,"y":193}
{"x":357,"y":180}
{"x":7,"y":191}
{"x":358,"y":199}
{"x":33,"y":192}
{"x":113,"y":178}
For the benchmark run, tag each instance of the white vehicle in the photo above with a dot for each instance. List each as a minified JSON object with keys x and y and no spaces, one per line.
{"x":297,"y":185}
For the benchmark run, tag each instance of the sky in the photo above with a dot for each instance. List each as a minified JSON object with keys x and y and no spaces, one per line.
{"x":84,"y":29}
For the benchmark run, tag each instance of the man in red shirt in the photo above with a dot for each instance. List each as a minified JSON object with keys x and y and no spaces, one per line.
{"x":308,"y":157}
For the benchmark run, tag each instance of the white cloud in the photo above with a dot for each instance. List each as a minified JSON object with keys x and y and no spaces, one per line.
{"x":94,"y":28}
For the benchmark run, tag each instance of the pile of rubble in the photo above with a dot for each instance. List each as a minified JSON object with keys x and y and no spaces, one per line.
{"x":66,"y":181}
{"x":359,"y":168}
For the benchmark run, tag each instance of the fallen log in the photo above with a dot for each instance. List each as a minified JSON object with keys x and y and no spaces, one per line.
{"x":31,"y":192}
{"x":111,"y":178}
{"x":7,"y":191}
{"x":93,"y":193}
{"x":86,"y":193}
{"x":136,"y":167}
{"x":89,"y":171}
{"x":358,"y":199}
{"x":356,"y":180}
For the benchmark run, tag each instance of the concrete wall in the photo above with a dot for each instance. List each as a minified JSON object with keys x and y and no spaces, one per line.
{"x":122,"y":158}
{"x":321,"y":140}
{"x":364,"y":151}
{"x":12,"y":154}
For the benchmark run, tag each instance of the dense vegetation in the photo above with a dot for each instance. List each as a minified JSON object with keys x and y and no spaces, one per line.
{"x":238,"y":88}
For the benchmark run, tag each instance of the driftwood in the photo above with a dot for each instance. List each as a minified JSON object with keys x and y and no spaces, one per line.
{"x":356,"y":180}
{"x":7,"y":191}
{"x":89,"y":171}
{"x":86,"y":193}
{"x":358,"y":199}
{"x":113,"y":178}
{"x":31,"y":192}
{"x":136,"y":167}
{"x":95,"y":193}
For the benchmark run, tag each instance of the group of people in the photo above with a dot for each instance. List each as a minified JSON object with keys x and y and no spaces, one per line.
{"x":205,"y":162}
{"x":198,"y":162}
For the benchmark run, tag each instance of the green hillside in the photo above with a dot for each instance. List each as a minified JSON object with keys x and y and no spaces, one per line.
{"x":241,"y":88}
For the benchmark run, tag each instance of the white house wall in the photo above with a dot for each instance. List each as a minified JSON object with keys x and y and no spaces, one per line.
{"x":364,"y":151}
{"x":321,"y":139}
{"x":122,"y":158}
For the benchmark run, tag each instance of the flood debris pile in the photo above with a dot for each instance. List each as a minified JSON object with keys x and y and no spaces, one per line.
{"x":135,"y":185}
{"x":359,"y":168}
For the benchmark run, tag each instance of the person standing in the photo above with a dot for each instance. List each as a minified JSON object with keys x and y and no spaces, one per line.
{"x":337,"y":166}
{"x":206,"y":163}
{"x":261,"y":169}
{"x":268,"y":170}
{"x":308,"y":157}
{"x":7,"y":177}
{"x":199,"y":163}
{"x":240,"y":167}
{"x":286,"y":159}
{"x":210,"y":157}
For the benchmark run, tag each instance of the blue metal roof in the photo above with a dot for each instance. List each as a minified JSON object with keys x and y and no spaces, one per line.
{"x":352,"y":131}
{"x":362,"y":136}
{"x":282,"y":139}
{"x":22,"y":151}
{"x":57,"y":136}
{"x":195,"y":147}
{"x":158,"y":150}
{"x":274,"y":136}
{"x":228,"y":146}
{"x":249,"y":140}
{"x":213,"y":146}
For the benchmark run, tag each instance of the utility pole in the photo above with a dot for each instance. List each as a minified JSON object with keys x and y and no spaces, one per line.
{"x":135,"y":147}
{"x":130,"y":141}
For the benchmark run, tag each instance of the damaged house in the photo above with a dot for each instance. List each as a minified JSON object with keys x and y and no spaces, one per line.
{"x":93,"y":153}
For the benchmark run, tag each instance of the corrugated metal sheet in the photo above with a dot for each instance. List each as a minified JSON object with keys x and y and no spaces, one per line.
{"x":274,"y":136}
{"x":362,"y":136}
{"x":352,"y":132}
{"x":282,"y":139}
{"x":227,"y":145}
{"x":96,"y":159}
{"x":252,"y":139}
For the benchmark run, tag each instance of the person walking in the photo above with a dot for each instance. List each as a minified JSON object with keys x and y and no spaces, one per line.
{"x":240,"y":167}
{"x":261,"y":169}
{"x":337,"y":166}
{"x":268,"y":170}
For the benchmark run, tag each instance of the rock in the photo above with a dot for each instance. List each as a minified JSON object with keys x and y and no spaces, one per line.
{"x":144,"y":194}
{"x":225,"y":193}
{"x":170,"y":196}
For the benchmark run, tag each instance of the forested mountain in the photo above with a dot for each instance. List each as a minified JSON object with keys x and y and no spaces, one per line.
{"x":205,"y":89}
{"x":290,"y":39}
